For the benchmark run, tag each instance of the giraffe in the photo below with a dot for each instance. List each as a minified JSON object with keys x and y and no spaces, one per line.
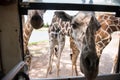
{"x":83,"y":26}
{"x":55,"y":27}
{"x":74,"y":56}
{"x":75,"y":51}
{"x":34,"y":21}
{"x":57,"y":31}
{"x":109,"y":23}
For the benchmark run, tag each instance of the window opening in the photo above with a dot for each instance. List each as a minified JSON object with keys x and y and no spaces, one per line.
{"x":43,"y":31}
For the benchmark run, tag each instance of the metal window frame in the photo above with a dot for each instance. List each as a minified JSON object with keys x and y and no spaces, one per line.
{"x":118,"y":61}
{"x":25,"y":6}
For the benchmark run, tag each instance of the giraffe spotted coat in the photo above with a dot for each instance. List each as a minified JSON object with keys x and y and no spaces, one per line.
{"x":109,"y":23}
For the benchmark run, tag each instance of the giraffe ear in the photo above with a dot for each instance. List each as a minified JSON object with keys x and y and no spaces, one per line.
{"x":64,"y":16}
{"x":94,"y":23}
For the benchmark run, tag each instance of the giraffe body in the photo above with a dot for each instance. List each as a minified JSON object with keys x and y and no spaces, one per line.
{"x":109,"y":24}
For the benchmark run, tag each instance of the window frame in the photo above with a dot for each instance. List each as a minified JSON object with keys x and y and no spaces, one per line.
{"x":23,"y":7}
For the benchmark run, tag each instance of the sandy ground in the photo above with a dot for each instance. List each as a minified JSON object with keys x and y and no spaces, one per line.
{"x":41,"y":57}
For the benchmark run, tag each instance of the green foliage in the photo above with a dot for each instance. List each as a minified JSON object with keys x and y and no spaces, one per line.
{"x":46,"y":25}
{"x":33,"y":43}
{"x":39,"y":42}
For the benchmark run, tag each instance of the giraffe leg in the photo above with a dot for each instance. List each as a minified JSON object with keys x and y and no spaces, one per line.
{"x":72,"y":64}
{"x":76,"y":70}
{"x":74,"y":57}
{"x":60,"y":49}
{"x":50,"y":69}
{"x":49,"y":66}
{"x":51,"y":52}
{"x":72,"y":70}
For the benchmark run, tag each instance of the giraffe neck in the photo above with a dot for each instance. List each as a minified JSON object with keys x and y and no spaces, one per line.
{"x":109,"y":24}
{"x":59,"y":26}
{"x":27,"y":30}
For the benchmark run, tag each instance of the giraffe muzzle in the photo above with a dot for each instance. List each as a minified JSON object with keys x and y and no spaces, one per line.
{"x":36,"y":21}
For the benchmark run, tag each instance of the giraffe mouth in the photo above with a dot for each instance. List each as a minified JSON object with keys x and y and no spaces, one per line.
{"x":36,"y":22}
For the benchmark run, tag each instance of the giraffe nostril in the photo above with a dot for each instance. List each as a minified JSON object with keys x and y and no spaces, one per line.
{"x":36,"y":18}
{"x":88,"y":63}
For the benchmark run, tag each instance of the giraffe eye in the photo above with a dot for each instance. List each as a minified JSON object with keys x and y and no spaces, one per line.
{"x":74,"y":26}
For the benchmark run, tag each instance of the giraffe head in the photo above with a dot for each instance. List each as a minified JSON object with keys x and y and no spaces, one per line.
{"x":36,"y":18}
{"x":84,"y":25}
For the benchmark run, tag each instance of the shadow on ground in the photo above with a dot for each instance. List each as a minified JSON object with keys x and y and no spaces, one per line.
{"x":41,"y":56}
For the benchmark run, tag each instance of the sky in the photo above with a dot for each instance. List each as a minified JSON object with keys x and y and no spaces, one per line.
{"x":49,"y":14}
{"x":72,"y":1}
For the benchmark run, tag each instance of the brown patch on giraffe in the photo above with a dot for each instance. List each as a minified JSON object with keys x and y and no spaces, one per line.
{"x":118,"y":27}
{"x":98,"y":31}
{"x":26,"y":31}
{"x":113,"y":28}
{"x":106,"y":17}
{"x":104,"y":26}
{"x":109,"y":22}
{"x":112,"y":17}
{"x":109,"y":30}
{"x":103,"y":34}
{"x":100,"y":17}
{"x":100,"y":21}
{"x":100,"y":44}
{"x":97,"y":38}
{"x":25,"y":38}
{"x":105,"y":41}
{"x":118,"y":21}
{"x":115,"y":22}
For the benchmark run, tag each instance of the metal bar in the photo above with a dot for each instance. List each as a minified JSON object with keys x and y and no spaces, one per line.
{"x":118,"y":60}
{"x":68,"y":6}
{"x":14,"y":71}
{"x":1,"y":64}
{"x":21,"y":32}
{"x":100,"y":77}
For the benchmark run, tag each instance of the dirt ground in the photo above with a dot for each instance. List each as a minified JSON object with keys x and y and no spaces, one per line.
{"x":41,"y":57}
